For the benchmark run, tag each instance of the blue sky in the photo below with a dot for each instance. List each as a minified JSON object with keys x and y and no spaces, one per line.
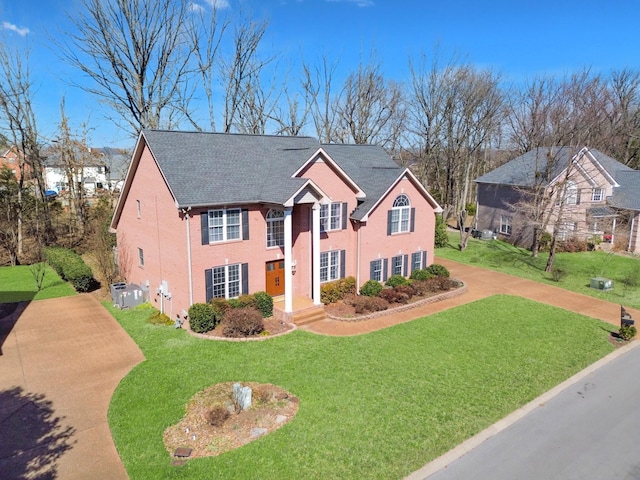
{"x":520,"y":39}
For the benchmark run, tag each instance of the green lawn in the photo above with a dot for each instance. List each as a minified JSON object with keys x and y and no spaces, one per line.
{"x":378,"y":406}
{"x":17,"y":284}
{"x":579,"y":267}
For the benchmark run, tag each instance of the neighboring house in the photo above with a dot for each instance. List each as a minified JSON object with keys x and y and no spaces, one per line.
{"x":582,"y":180}
{"x":116,"y":162}
{"x":204,"y":215}
{"x":626,"y":200}
{"x":90,"y":171}
{"x":10,"y":159}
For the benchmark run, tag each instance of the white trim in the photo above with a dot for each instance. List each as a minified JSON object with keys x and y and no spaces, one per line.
{"x":360,"y":194}
{"x":288,"y":263}
{"x":290,"y":202}
{"x":413,"y":179}
{"x":315,"y":252}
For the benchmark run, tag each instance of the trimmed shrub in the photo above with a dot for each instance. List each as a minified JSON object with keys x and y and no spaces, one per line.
{"x":157,"y":318}
{"x":243,"y":301}
{"x":438,"y":270}
{"x":242,"y":322}
{"x":396,"y":280}
{"x":220,"y":306}
{"x":202,"y":317}
{"x":264,"y":303}
{"x":441,"y":235}
{"x":406,"y":290}
{"x":421,"y":275}
{"x":71,"y":268}
{"x":331,"y":292}
{"x":627,"y":332}
{"x":363,"y":304}
{"x":392,"y":295}
{"x":371,"y":288}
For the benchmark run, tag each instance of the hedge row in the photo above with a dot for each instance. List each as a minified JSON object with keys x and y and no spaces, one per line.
{"x":71,"y":268}
{"x":204,"y":317}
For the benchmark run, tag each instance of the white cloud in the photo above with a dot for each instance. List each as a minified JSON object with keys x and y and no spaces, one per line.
{"x":219,"y":4}
{"x":194,"y":7}
{"x":22,"y":31}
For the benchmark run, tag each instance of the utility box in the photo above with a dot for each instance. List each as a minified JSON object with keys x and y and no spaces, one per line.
{"x":483,"y":234}
{"x":127,"y":296}
{"x":600,"y":283}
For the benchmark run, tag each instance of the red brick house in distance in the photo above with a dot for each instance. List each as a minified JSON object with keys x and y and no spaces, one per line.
{"x":205,"y":215}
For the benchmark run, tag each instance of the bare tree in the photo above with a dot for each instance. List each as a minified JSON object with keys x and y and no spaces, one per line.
{"x":137,"y":54}
{"x":318,"y":87}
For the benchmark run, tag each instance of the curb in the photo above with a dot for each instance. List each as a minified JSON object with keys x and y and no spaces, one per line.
{"x":455,"y":453}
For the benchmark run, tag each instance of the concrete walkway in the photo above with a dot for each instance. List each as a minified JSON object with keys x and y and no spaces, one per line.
{"x":481,"y":283}
{"x":60,"y":363}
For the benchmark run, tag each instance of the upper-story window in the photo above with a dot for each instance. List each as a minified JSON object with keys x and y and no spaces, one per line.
{"x":138,"y":209}
{"x":571,"y":193}
{"x":597,"y":195}
{"x":275,"y":228}
{"x":400,"y":215}
{"x":224,"y":225}
{"x":331,"y":216}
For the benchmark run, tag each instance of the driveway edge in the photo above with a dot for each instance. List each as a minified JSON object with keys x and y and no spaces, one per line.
{"x":455,"y":453}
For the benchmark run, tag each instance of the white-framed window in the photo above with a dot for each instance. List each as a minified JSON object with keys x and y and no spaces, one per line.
{"x":418,"y":260}
{"x":331,"y":216}
{"x":275,"y":228}
{"x":505,"y":225}
{"x":140,"y":257}
{"x":571,"y":193}
{"x":597,"y":194}
{"x":567,"y":230}
{"x":400,"y":214}
{"x":329,"y":266}
{"x":397,"y":265}
{"x":376,"y":270}
{"x":138,"y":208}
{"x":227,"y":281}
{"x":224,"y":225}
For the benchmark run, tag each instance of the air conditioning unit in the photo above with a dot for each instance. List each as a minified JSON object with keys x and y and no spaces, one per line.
{"x":600,"y":283}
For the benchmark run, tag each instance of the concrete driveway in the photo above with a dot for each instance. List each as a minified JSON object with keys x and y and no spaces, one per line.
{"x":60,"y":362}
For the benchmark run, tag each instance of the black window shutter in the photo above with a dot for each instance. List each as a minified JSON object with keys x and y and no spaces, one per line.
{"x":344,"y":215}
{"x":385,"y":270}
{"x":343,"y":256}
{"x":204,"y":227}
{"x":389,"y":222}
{"x":208,"y":281}
{"x":245,"y":279}
{"x":412,"y":225}
{"x":372,"y":269}
{"x":424,"y":259}
{"x":405,"y":267}
{"x":245,"y":224}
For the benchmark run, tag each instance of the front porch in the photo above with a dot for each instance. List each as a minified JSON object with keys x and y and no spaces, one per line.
{"x":303,"y":311}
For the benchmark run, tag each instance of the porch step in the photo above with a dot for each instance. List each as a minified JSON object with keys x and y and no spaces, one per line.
{"x":308,"y":315}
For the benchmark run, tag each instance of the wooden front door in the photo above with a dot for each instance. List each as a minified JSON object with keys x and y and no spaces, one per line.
{"x":275,"y":278}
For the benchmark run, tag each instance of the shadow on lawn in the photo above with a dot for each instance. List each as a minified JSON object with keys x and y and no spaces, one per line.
{"x":32,"y":437}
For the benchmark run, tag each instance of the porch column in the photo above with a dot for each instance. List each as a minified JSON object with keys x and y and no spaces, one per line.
{"x":288,"y":276}
{"x":613,"y":232}
{"x":315,"y":249}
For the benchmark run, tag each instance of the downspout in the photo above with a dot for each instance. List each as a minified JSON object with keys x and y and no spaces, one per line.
{"x":190,"y":273}
{"x":633,"y":219}
{"x":358,"y":259}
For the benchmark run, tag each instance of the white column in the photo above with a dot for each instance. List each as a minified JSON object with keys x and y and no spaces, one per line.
{"x":315,"y":248}
{"x":288,"y":276}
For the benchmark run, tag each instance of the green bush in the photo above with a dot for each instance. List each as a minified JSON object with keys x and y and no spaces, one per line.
{"x":421,"y":275}
{"x":471,"y":209}
{"x":627,"y":332}
{"x":202,"y":317}
{"x":395,"y":281}
{"x":438,"y":270}
{"x":371,"y":288}
{"x":331,"y":292}
{"x":243,"y":301}
{"x":558,"y":274}
{"x":242,"y":322}
{"x":71,"y":268}
{"x":264,"y":303}
{"x":441,"y":236}
{"x":157,"y":318}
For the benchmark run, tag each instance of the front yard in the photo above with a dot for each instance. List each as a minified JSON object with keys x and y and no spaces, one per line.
{"x":18,"y":284}
{"x":374,"y":406}
{"x":576,"y":268}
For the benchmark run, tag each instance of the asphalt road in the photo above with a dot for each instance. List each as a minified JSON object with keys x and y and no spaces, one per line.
{"x":590,"y":431}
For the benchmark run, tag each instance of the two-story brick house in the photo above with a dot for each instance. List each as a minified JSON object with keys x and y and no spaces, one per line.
{"x":205,"y":215}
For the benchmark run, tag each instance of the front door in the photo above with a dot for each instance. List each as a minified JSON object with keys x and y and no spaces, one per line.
{"x":275,"y":278}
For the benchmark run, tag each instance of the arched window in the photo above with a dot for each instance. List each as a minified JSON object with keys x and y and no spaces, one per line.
{"x":275,"y":228}
{"x":400,"y":214}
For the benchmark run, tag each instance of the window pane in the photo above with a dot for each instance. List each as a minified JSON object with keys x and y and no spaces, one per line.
{"x":219,"y":282}
{"x":335,"y":216}
{"x":233,"y":224}
{"x":324,"y":264}
{"x":234,"y":281}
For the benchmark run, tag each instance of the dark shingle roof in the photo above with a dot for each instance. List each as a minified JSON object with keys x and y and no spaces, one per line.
{"x":627,"y":195}
{"x":204,"y":169}
{"x":548,"y":162}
